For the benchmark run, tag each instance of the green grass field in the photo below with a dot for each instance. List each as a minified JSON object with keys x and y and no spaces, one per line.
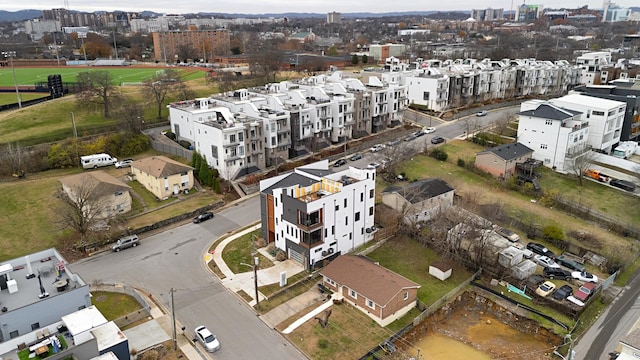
{"x":11,"y":97}
{"x":31,"y":76}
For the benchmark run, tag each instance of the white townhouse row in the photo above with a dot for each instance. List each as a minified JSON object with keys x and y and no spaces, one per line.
{"x":439,"y":85}
{"x":314,"y":214}
{"x":241,"y":130}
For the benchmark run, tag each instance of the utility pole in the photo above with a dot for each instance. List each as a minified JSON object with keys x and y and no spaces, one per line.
{"x":173,"y":321}
{"x":11,"y":55}
{"x":115,"y":45}
{"x":255,"y":279}
{"x":73,"y":123}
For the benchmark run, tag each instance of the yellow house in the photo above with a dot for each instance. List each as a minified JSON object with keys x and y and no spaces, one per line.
{"x":162,"y":176}
{"x":100,"y":194}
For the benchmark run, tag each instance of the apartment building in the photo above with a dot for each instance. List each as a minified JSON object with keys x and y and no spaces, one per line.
{"x":220,"y":136}
{"x":605,"y":118}
{"x":558,"y":136}
{"x":429,"y":87}
{"x":488,"y":14}
{"x":315,"y":214}
{"x":591,"y":64}
{"x":208,"y":43}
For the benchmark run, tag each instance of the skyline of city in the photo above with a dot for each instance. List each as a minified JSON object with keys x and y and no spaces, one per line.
{"x":305,"y":6}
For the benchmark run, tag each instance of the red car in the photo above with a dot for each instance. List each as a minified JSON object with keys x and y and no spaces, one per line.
{"x":584,"y":292}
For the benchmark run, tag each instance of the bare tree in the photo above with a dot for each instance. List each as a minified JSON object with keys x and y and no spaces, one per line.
{"x":391,"y":156}
{"x":13,"y":158}
{"x":97,"y":87}
{"x":581,"y":163}
{"x":159,"y":86}
{"x":83,"y":207}
{"x":469,"y":124}
{"x":130,"y":117}
{"x":501,"y":124}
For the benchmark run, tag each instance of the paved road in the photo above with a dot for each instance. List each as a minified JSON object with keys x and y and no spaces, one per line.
{"x":174,"y":259}
{"x":602,"y":338}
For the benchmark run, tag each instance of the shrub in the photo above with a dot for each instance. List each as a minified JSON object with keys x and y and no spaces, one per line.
{"x":185,"y":144}
{"x":281,"y":255}
{"x":461,"y":163}
{"x":323,"y":343}
{"x":271,"y":249}
{"x":439,"y":154}
{"x":553,"y":232}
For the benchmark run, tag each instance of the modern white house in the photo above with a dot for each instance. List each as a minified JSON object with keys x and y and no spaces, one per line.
{"x":430,"y":88}
{"x":591,"y":64}
{"x":315,"y":214}
{"x":605,"y":118}
{"x":557,"y":135}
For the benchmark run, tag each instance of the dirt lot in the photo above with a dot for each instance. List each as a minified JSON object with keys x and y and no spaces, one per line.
{"x":487,"y":327}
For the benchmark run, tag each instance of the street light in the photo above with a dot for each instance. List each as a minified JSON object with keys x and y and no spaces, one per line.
{"x":11,"y":55}
{"x":83,"y":35}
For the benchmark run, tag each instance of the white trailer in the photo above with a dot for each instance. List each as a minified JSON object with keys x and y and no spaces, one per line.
{"x":97,"y":160}
{"x":625,"y":149}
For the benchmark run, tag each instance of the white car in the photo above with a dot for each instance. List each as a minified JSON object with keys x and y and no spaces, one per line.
{"x":207,"y":339}
{"x":584,"y":276}
{"x":528,"y":254}
{"x":123,"y":163}
{"x":376,"y":148}
{"x":545,"y":261}
{"x":373,"y":165}
{"x":430,"y":130}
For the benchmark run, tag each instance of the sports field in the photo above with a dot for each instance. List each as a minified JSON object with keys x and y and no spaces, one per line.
{"x":30,"y":76}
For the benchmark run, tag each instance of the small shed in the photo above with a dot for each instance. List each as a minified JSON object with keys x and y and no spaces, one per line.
{"x":524,"y":269}
{"x":440,"y":270}
{"x":510,"y":256}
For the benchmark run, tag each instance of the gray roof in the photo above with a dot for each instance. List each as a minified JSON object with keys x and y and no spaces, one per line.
{"x":509,"y":151}
{"x":317,"y":172}
{"x":291,"y":179}
{"x":421,"y":190}
{"x":548,"y":111}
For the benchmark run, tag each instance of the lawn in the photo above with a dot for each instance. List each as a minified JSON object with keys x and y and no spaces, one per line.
{"x":30,"y":76}
{"x":114,"y":305}
{"x":239,"y":252}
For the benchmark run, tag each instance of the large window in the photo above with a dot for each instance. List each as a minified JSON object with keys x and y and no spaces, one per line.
{"x":309,"y":219}
{"x":311,"y":239}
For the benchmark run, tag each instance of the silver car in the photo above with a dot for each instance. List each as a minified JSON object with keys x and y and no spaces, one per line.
{"x":126,"y":242}
{"x":207,"y":339}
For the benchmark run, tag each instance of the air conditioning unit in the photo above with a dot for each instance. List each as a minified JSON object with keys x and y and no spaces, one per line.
{"x":324,"y":253}
{"x":330,"y":250}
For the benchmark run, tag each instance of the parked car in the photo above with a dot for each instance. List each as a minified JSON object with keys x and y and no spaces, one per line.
{"x":123,"y":163}
{"x":207,"y":339}
{"x":556,"y":273}
{"x":339,"y":162}
{"x":376,"y":148}
{"x":575,"y":301}
{"x":430,"y":130}
{"x":569,"y":263}
{"x":410,"y":137}
{"x":584,"y":292}
{"x":623,"y":184}
{"x":482,"y":113}
{"x":126,"y":242}
{"x":540,"y":249}
{"x":437,"y":140}
{"x":508,"y":234}
{"x":373,"y":165}
{"x":393,"y":142}
{"x":562,"y":293}
{"x":203,"y":217}
{"x":355,"y":157}
{"x":420,"y":133}
{"x":584,"y":276}
{"x":545,"y":261}
{"x":528,"y":254}
{"x":546,"y":288}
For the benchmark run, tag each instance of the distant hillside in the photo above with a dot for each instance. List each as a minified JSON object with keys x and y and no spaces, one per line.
{"x":21,"y":15}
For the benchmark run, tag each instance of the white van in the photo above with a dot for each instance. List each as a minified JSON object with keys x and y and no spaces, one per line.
{"x":97,"y":160}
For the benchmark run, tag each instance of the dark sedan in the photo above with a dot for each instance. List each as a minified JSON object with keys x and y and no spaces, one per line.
{"x":562,"y":293}
{"x":203,"y":217}
{"x":437,"y":140}
{"x":541,"y":250}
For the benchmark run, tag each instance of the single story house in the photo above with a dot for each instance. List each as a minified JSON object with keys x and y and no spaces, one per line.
{"x":162,"y":176}
{"x":500,"y":161}
{"x":419,"y":201}
{"x":106,"y":195}
{"x":378,"y":292}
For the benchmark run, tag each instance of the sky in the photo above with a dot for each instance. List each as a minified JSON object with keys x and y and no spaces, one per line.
{"x":299,"y":6}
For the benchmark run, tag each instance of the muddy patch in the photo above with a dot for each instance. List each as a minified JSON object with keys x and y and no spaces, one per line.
{"x":480,"y":329}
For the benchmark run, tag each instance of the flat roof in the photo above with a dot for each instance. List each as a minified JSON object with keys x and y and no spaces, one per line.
{"x":46,"y":263}
{"x":108,"y":335}
{"x":83,"y":320}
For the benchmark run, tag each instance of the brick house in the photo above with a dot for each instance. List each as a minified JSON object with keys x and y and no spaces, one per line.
{"x":376,"y":291}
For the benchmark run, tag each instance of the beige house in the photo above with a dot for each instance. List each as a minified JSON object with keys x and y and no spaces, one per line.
{"x":500,"y":161}
{"x":377,"y":291}
{"x":106,"y":195}
{"x":419,"y":201}
{"x":162,"y":176}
